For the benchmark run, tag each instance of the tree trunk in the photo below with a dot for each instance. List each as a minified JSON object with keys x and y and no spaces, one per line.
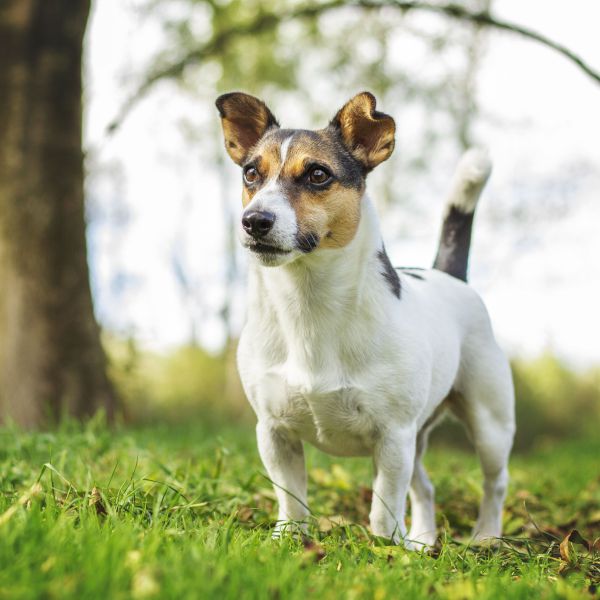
{"x":51,"y":360}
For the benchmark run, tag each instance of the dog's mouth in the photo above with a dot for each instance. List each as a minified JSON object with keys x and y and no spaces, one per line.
{"x":266,"y":249}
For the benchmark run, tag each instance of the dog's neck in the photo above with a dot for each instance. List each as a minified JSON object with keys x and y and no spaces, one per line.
{"x":314,"y":300}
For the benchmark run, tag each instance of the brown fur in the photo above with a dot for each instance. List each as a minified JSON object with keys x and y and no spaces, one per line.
{"x":368,"y":133}
{"x":333,"y":215}
{"x":245,"y":120}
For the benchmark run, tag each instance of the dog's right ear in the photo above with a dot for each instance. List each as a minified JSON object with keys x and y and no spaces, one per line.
{"x":244,"y":119}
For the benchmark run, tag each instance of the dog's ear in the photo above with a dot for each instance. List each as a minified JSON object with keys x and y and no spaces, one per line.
{"x":367,"y":133}
{"x":244,"y":119}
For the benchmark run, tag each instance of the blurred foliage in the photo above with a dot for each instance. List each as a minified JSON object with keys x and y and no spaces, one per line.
{"x":186,"y":383}
{"x":553,"y":401}
{"x":305,"y":61}
{"x":305,"y":64}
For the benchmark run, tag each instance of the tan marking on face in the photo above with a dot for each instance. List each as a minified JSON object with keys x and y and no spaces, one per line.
{"x":333,"y":213}
{"x":268,"y":165}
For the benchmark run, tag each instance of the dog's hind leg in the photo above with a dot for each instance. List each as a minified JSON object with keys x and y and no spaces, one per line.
{"x":487,"y":410}
{"x":283,"y":457}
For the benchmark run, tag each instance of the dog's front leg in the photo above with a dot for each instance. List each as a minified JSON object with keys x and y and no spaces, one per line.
{"x":283,"y":457}
{"x":394,"y":459}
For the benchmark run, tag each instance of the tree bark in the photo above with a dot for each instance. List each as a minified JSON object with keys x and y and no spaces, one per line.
{"x":51,"y":360}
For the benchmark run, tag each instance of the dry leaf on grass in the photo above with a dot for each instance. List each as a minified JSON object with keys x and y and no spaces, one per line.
{"x":573,"y":537}
{"x":96,"y":502}
{"x":326,"y":524}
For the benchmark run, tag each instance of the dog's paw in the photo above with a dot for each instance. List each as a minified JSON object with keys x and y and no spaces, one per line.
{"x":399,"y":540}
{"x":289,"y":528}
{"x":486,"y":536}
{"x":485,"y":540}
{"x":422,"y":541}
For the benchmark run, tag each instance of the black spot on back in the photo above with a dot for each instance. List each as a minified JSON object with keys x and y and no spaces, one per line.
{"x":410,"y":271}
{"x":389,"y":273}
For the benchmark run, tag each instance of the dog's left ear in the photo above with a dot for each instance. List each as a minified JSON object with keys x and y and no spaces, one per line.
{"x":244,"y":119}
{"x":367,"y":133}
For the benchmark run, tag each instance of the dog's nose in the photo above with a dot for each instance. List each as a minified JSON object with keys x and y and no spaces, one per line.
{"x":258,"y":223}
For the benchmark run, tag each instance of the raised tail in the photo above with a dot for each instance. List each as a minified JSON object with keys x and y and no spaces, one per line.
{"x":470,"y":178}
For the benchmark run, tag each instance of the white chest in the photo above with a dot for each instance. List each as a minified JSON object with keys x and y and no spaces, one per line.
{"x":338,"y":420}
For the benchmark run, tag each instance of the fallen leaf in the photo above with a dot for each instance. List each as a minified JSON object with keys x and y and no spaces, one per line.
{"x":245,"y":514}
{"x":573,"y":537}
{"x":328,"y":523}
{"x":96,"y":501}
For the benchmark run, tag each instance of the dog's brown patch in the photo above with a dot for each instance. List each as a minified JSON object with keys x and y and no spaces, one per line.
{"x":333,"y":215}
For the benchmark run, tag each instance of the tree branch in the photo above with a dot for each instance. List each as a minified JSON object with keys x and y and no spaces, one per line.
{"x":211,"y":48}
{"x":486,"y":18}
{"x":268,"y":21}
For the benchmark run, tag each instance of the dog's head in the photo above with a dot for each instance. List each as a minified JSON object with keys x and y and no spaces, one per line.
{"x":302,"y":189}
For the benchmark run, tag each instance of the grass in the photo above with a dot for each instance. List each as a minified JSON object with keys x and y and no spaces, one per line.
{"x":186,"y":512}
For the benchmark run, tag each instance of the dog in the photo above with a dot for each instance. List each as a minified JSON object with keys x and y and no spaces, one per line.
{"x":340,"y":349}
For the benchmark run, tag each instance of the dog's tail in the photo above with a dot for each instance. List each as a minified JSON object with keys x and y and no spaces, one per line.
{"x":470,"y":178}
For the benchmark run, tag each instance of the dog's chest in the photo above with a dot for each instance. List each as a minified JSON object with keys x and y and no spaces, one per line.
{"x":337,"y":419}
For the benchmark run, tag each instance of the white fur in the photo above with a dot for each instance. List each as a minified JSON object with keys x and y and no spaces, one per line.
{"x":272,"y":199}
{"x":330,"y":356}
{"x":285,"y":146}
{"x":470,"y":178}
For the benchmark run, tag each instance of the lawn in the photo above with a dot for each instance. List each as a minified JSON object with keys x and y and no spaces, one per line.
{"x":186,"y":512}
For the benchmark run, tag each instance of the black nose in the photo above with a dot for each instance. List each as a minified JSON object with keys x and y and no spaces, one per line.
{"x":258,"y":223}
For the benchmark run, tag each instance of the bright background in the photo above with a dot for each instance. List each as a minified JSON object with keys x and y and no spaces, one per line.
{"x":155,"y":196}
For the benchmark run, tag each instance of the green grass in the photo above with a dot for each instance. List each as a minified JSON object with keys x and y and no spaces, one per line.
{"x":186,"y":512}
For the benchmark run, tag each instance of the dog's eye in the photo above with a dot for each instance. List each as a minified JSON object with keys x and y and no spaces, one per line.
{"x":250,"y":174}
{"x":318,"y":176}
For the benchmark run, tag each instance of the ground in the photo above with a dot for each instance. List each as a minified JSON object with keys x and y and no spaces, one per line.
{"x":186,"y":512}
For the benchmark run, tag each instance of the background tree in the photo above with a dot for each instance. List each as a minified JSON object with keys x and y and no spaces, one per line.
{"x":51,"y":359}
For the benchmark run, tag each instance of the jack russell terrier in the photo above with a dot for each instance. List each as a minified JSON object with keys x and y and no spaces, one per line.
{"x":342,"y":350}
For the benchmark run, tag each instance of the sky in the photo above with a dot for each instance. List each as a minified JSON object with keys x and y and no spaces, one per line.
{"x":153,"y":203}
